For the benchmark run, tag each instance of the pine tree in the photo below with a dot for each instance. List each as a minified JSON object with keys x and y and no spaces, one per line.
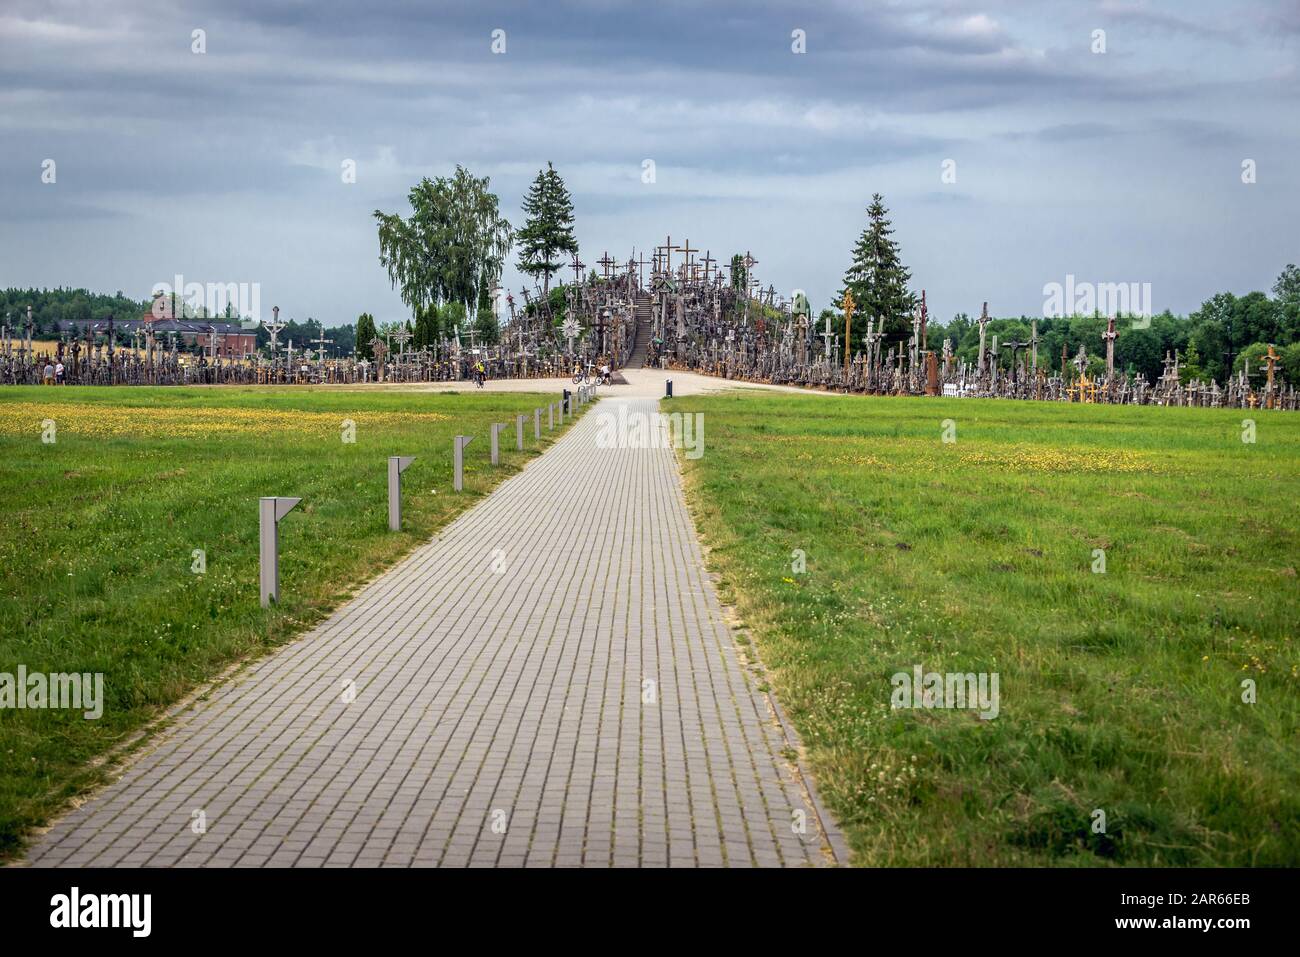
{"x":365,"y":332}
{"x":548,"y":231}
{"x":878,"y":280}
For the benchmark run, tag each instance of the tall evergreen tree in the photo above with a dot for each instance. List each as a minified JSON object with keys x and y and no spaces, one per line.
{"x":878,"y":280}
{"x":548,"y":231}
{"x":486,"y":328}
{"x":739,"y":275}
{"x":365,"y":332}
{"x":485,"y":320}
{"x":426,"y":327}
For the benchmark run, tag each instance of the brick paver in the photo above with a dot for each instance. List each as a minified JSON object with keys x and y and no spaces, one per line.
{"x":502,"y":711}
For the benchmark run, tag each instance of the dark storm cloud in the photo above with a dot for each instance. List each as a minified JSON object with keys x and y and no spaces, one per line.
{"x":752,"y":143}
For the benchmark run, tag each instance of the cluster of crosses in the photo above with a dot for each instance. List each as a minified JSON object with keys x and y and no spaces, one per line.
{"x":729,"y":326}
{"x":93,"y":357}
{"x":670,"y":312}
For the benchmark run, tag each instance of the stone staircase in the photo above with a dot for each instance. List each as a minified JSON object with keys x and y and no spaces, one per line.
{"x":641,"y":345}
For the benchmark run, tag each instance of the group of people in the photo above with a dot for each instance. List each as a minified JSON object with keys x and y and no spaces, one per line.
{"x":52,"y":374}
{"x":602,"y":376}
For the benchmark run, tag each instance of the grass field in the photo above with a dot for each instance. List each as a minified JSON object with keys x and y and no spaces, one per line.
{"x":1121,"y":690}
{"x":100,"y":528}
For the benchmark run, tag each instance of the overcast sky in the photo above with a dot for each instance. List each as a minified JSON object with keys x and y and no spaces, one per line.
{"x":1123,"y":166}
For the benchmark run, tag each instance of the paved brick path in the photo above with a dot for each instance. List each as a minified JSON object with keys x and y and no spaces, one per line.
{"x":498,"y":716}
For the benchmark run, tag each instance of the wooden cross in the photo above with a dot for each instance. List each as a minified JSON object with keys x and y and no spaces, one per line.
{"x":708,"y":264}
{"x":668,"y":248}
{"x":1271,"y":358}
{"x":606,"y":263}
{"x":1015,"y":346}
{"x":925,"y":316}
{"x":847,"y":306}
{"x":687,"y":251}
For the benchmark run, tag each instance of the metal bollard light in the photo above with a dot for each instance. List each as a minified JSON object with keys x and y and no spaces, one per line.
{"x":496,"y":441}
{"x":458,"y":454}
{"x":397,"y":464}
{"x":567,"y":407}
{"x":270,"y":510}
{"x":668,"y":387}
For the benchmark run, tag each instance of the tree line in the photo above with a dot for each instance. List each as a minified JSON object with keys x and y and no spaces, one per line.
{"x":1227,"y":334}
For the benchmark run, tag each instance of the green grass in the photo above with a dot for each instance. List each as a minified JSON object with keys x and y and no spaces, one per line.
{"x":1120,"y":691}
{"x":100,"y":527}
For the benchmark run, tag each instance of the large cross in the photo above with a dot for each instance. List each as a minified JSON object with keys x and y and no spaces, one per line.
{"x":708,"y":264}
{"x":687,"y":251}
{"x":1015,"y":345}
{"x":925,"y":315}
{"x":322,"y":342}
{"x":606,"y":263}
{"x":668,"y":248}
{"x":578,"y":266}
{"x":402,"y":337}
{"x":274,"y":327}
{"x":847,"y":305}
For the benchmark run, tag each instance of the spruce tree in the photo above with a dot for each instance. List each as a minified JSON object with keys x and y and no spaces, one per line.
{"x":365,"y":332}
{"x":878,"y":280}
{"x":739,"y":275}
{"x":485,"y":320}
{"x":548,"y":231}
{"x":426,"y":326}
